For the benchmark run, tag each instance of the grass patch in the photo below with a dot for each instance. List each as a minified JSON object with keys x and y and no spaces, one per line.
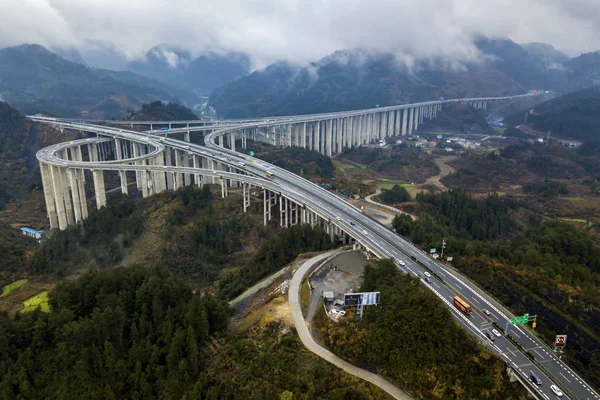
{"x":304,"y":297}
{"x":387,"y":184}
{"x":40,"y":300}
{"x":12,"y":286}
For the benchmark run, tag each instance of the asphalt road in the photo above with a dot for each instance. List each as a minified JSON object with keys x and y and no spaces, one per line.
{"x":309,"y":342}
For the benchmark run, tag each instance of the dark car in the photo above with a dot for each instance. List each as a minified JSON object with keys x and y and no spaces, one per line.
{"x":535,"y":379}
{"x":489,"y":336}
{"x":352,"y":223}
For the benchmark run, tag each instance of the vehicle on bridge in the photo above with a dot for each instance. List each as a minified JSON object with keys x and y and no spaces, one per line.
{"x":164,"y":129}
{"x":462,"y":305}
{"x":270,"y":174}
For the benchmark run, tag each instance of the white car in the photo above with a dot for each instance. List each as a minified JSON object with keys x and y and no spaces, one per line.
{"x":556,"y":390}
{"x":427,"y":274}
{"x":365,"y":232}
{"x":338,"y":218}
{"x":486,"y":312}
{"x":401,"y":263}
{"x":496,"y":333}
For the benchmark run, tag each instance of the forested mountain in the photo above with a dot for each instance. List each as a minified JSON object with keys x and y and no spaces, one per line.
{"x":546,"y":268}
{"x":573,"y":115}
{"x":412,"y":339}
{"x":20,"y":138}
{"x":353,"y":79}
{"x":35,"y":80}
{"x":200,"y":74}
{"x":159,"y":111}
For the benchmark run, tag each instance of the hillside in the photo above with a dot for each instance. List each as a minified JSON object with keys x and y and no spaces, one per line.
{"x":349,"y":80}
{"x":35,"y":80}
{"x":437,"y":351}
{"x":19,"y":170}
{"x":532,"y":264}
{"x":574,"y":115}
{"x":354,"y":79}
{"x":201,"y":74}
{"x":458,"y":119}
{"x":159,"y":111}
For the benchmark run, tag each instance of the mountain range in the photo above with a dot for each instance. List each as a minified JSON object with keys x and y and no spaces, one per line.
{"x":36,"y":80}
{"x":353,"y":79}
{"x":201,"y":74}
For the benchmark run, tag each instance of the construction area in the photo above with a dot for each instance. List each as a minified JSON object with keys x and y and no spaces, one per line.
{"x":330,"y":281}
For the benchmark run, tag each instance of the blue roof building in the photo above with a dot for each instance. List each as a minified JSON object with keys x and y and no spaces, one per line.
{"x":31,"y":232}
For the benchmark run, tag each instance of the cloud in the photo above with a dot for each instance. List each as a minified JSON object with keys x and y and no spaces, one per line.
{"x":299,"y":31}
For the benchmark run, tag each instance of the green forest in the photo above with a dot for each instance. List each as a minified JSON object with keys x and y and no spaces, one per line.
{"x":574,"y":115}
{"x":548,"y":268}
{"x":412,"y":339}
{"x":397,"y":194}
{"x":159,"y":111}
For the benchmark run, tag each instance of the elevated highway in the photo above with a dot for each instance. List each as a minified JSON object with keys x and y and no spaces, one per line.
{"x":161,"y":163}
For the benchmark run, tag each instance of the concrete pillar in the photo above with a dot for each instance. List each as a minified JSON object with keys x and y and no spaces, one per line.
{"x":49,"y":195}
{"x":329,"y":137}
{"x":179,"y":176}
{"x":123,"y":178}
{"x":80,"y":176}
{"x":221,"y":141}
{"x":232,"y":140}
{"x":416,"y":118}
{"x":318,"y":146}
{"x":58,"y":197}
{"x":118,"y":149}
{"x":404,"y":120}
{"x":186,"y":136}
{"x":168,"y":163}
{"x":99,"y":191}
{"x":67,"y":195}
{"x":304,"y":135}
{"x":410,"y":121}
{"x":265,"y":206}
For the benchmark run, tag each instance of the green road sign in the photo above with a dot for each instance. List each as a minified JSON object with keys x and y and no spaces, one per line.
{"x":251,"y":154}
{"x":520,"y":320}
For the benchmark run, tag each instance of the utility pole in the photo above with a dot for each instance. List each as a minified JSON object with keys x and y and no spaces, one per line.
{"x":443,"y":247}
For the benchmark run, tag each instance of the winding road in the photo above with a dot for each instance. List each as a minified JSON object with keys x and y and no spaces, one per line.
{"x":310,"y":344}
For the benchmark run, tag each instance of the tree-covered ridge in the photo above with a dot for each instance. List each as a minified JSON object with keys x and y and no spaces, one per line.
{"x":412,"y":339}
{"x":397,"y":194}
{"x":574,"y":115}
{"x":298,"y":160}
{"x":273,"y":254}
{"x":135,"y":333}
{"x":19,"y":141}
{"x":551,"y":269}
{"x":159,"y":111}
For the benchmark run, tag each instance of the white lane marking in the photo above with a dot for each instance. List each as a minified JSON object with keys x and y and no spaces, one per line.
{"x":538,"y":353}
{"x":567,"y":379}
{"x":515,"y":333}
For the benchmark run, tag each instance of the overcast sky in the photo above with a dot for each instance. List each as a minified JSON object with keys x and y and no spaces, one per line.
{"x":298,"y":31}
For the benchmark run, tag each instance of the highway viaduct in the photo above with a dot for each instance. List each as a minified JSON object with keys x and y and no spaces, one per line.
{"x":160,"y":162}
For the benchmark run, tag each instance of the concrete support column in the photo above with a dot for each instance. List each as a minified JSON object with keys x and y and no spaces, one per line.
{"x":221,"y":141}
{"x":123,"y":178}
{"x":232,"y":140}
{"x":118,"y":149}
{"x":304,"y":135}
{"x":329,"y":137}
{"x":384,"y":125}
{"x":410,"y":121}
{"x":318,"y":146}
{"x":58,"y":197}
{"x":49,"y":195}
{"x":187,"y":178}
{"x":80,"y":178}
{"x":186,"y":136}
{"x":404,"y":121}
{"x":179,"y":182}
{"x":169,"y":163}
{"x":67,"y":195}
{"x":416,"y":118}
{"x":99,"y":191}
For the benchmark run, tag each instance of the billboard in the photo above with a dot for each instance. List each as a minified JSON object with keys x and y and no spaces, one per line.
{"x":361,"y":299}
{"x":560,"y":341}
